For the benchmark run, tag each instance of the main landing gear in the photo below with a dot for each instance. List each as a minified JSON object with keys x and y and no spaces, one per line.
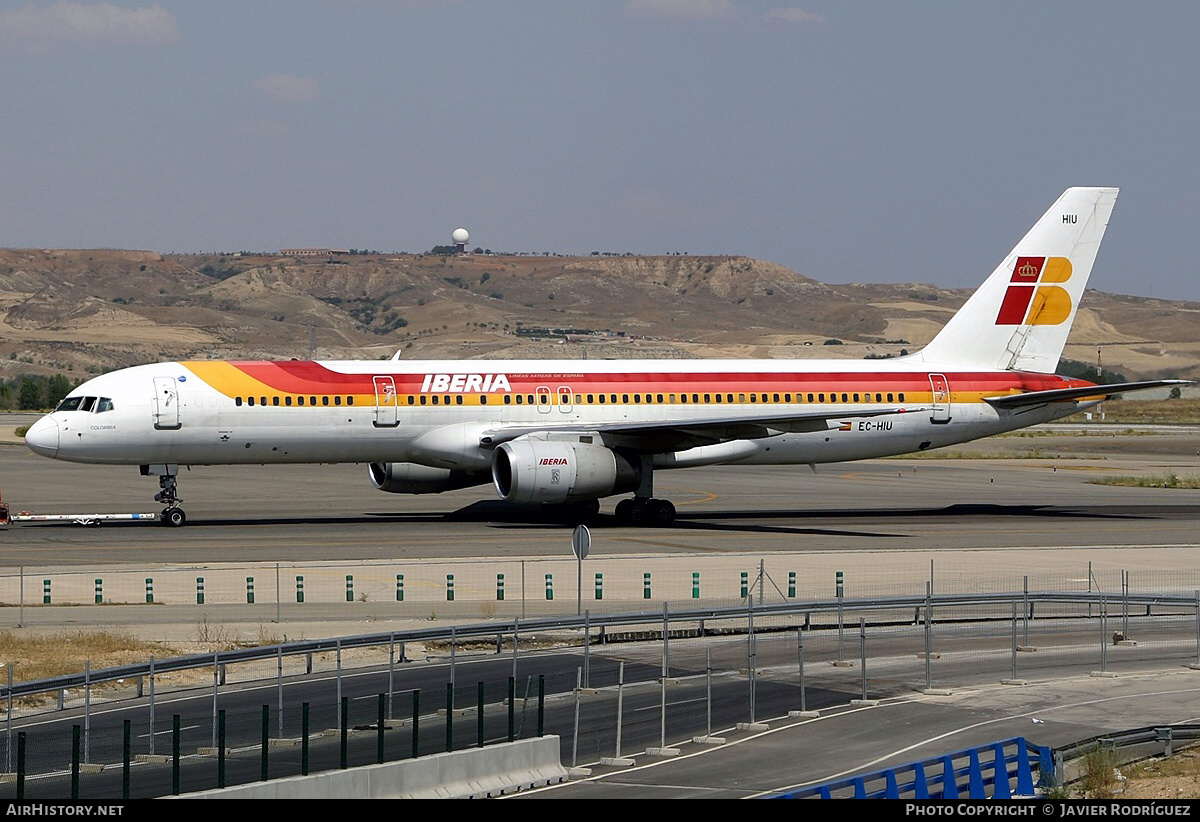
{"x":645,"y":511}
{"x":172,"y":515}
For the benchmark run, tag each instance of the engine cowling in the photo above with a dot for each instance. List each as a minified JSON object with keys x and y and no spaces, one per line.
{"x":410,"y":478}
{"x":529,"y":471}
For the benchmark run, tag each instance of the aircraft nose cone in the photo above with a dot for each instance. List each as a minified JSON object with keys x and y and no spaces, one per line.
{"x":42,"y":437}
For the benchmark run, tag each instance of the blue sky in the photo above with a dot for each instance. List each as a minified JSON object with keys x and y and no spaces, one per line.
{"x":850,"y":141}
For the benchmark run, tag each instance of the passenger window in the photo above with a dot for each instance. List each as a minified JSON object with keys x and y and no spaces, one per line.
{"x":625,"y":399}
{"x":337,"y":400}
{"x":274,"y":400}
{"x":901,"y":398}
{"x":325,"y":400}
{"x":483,"y":399}
{"x":411,"y":400}
{"x":435,"y":399}
{"x":237,"y":401}
{"x":708,"y":398}
{"x":263,"y":400}
{"x":508,"y":399}
{"x":890,"y":398}
{"x":349,"y":400}
{"x":637,"y":398}
{"x":250,"y":400}
{"x":425,"y":399}
{"x":300,"y":400}
{"x":590,"y":398}
{"x":287,"y":400}
{"x":458,"y":399}
{"x":520,"y":399}
{"x":312,"y":400}
{"x":718,"y":396}
{"x":856,"y":397}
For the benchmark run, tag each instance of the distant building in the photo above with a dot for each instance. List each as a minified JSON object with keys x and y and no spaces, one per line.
{"x":312,"y":252}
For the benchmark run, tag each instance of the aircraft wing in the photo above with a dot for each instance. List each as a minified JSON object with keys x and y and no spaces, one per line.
{"x":674,"y":435}
{"x":1031,"y":398}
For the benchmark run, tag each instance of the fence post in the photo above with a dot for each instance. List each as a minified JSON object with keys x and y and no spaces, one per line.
{"x":299,"y":588}
{"x":149,"y":591}
{"x":249,"y":590}
{"x":499,"y":587}
{"x":349,"y":587}
{"x":399,"y":587}
{"x":600,"y":588}
{"x":199,"y":590}
{"x":99,"y":591}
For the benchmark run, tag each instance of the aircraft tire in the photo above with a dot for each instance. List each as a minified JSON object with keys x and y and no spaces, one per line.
{"x":173,"y":517}
{"x":661,"y":511}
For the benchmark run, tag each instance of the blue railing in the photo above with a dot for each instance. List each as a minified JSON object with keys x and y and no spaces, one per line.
{"x":999,"y":770}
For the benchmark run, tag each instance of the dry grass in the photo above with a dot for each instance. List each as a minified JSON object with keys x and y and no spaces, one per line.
{"x":1146,"y":412}
{"x":67,"y":652}
{"x":1152,"y":481}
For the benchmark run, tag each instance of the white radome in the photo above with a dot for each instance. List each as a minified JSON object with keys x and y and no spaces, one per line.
{"x":460,"y":235}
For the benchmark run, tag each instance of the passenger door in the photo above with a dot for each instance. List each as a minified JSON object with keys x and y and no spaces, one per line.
{"x":386,"y":412}
{"x":166,"y":404}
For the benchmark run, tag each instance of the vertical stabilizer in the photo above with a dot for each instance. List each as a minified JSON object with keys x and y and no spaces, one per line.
{"x":1020,"y":317}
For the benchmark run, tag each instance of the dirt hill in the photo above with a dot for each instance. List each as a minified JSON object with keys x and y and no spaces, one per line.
{"x":92,"y":310}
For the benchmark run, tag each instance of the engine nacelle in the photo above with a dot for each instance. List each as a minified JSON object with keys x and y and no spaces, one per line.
{"x":410,"y":478}
{"x":554,"y":471}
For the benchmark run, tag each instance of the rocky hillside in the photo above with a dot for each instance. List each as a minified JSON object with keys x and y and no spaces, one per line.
{"x":87,"y":311}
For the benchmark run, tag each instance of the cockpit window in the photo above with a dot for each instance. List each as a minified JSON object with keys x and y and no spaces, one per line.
{"x":69,"y":404}
{"x":105,"y":404}
{"x":88,"y":402}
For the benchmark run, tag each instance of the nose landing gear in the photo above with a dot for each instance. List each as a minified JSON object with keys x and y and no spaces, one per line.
{"x":172,"y":515}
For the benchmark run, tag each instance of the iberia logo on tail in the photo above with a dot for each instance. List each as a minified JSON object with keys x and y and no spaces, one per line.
{"x":1030,"y":299}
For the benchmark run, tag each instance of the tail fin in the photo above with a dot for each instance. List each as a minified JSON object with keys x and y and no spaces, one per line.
{"x":1020,"y":317}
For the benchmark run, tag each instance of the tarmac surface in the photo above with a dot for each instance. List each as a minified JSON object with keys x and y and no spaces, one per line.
{"x":986,"y":515}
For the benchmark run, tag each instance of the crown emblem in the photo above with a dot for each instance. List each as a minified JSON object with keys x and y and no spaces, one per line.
{"x":1028,"y":270}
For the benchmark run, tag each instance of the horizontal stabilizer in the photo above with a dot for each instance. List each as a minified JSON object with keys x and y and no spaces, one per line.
{"x":1063,"y":394}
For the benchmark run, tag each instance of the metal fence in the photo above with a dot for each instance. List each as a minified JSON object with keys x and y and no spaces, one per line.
{"x":653,"y":675}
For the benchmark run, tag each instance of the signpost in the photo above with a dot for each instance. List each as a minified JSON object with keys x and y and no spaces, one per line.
{"x":581,"y":543}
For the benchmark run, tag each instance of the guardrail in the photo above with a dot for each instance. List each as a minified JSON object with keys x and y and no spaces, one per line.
{"x":655,"y":622}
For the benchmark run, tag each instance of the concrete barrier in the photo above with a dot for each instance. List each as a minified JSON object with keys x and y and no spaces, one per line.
{"x":473,"y":773}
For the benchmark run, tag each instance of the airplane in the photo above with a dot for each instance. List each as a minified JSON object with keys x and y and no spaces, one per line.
{"x":568,"y":433}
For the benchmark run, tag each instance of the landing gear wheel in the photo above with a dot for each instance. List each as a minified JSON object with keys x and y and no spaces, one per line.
{"x":642,"y":511}
{"x":661,"y":512}
{"x":173,"y":517}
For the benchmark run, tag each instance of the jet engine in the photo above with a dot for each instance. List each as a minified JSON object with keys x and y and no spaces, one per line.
{"x":554,"y":471}
{"x":410,"y":478}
